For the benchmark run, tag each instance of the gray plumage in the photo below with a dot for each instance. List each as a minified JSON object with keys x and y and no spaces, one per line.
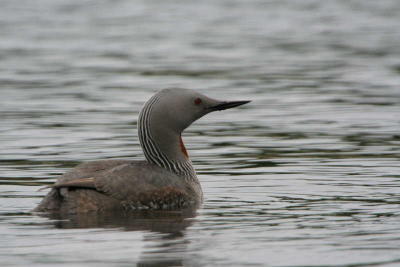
{"x":167,"y":180}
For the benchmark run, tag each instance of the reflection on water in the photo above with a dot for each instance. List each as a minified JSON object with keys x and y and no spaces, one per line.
{"x":172,"y":222}
{"x":305,"y":175}
{"x":166,"y":228}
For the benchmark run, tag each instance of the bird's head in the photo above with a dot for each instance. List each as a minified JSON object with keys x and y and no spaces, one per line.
{"x":178,"y":108}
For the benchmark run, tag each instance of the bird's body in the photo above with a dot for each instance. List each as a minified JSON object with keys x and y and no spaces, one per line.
{"x":166,"y":180}
{"x":121,"y":184}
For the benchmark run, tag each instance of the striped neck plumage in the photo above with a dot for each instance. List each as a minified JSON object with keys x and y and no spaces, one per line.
{"x":163,"y":148}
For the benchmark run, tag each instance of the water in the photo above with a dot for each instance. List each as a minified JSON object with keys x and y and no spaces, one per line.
{"x":305,"y":175}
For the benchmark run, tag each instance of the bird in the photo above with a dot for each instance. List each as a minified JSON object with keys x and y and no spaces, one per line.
{"x":165,"y":180}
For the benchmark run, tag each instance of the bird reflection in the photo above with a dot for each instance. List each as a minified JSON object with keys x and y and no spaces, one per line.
{"x":154,"y":221}
{"x":164,"y":231}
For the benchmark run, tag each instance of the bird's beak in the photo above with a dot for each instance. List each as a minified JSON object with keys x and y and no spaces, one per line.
{"x":227,"y":104}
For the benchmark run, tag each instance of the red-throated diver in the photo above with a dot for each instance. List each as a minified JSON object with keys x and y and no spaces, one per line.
{"x":167,"y":180}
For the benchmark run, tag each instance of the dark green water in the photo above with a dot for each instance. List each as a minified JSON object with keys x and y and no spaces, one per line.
{"x":308,"y":174}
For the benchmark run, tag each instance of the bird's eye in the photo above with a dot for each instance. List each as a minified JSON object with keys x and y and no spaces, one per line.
{"x":197,"y":101}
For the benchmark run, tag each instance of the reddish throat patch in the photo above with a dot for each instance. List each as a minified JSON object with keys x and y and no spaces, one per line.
{"x":183,"y":148}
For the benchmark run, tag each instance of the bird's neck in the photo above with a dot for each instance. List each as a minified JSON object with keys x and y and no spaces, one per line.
{"x":163,"y":146}
{"x":167,"y":151}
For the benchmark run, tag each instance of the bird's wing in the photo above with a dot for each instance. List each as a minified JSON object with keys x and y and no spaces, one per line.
{"x":76,"y":183}
{"x":82,"y":176}
{"x":139,"y":181}
{"x":89,"y":169}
